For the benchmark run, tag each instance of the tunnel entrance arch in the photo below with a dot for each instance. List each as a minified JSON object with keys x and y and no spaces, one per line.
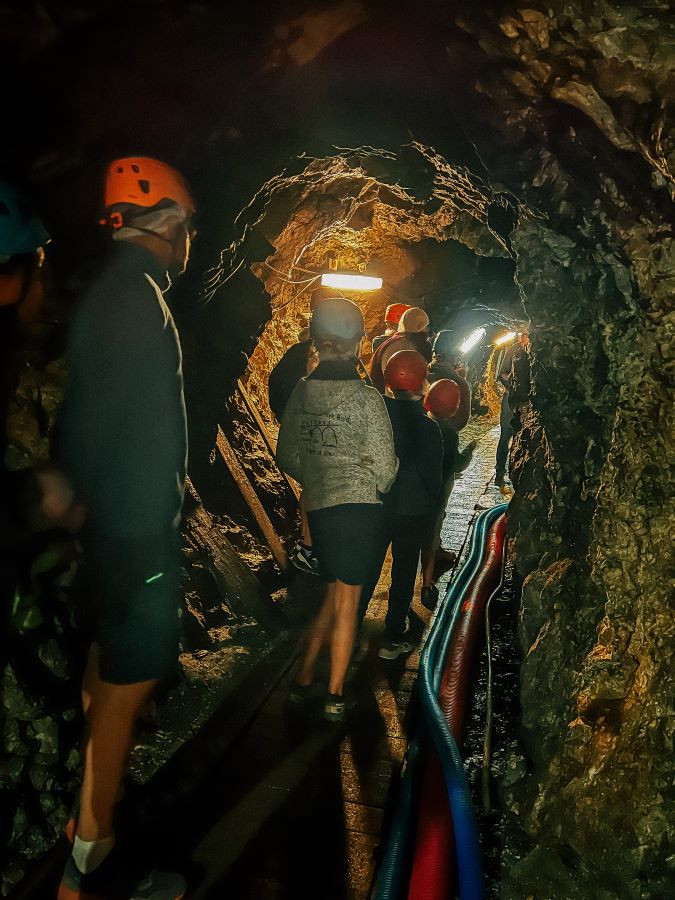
{"x":425,"y":226}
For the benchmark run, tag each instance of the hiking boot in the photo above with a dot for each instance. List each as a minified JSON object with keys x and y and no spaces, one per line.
{"x":110,"y":881}
{"x":429,"y":597}
{"x":304,"y":561}
{"x":392,"y":649}
{"x":335,"y":708}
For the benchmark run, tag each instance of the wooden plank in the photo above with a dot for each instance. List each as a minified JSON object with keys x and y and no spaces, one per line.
{"x":252,"y":500}
{"x":241,"y":589}
{"x":266,"y":436}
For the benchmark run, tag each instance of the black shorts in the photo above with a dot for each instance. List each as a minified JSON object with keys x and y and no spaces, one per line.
{"x":136,"y":599}
{"x":345,"y":539}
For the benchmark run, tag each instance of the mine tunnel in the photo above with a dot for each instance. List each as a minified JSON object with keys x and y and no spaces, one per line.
{"x":507,"y":169}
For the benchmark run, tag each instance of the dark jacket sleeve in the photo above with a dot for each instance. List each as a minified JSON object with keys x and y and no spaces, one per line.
{"x":463,"y":414}
{"x":430,"y":460}
{"x":285,"y":375}
{"x":379,"y":360}
{"x":121,"y":435}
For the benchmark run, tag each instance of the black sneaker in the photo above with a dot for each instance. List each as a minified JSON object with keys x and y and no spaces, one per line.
{"x":429,"y":597}
{"x":392,"y":649}
{"x":304,"y":560}
{"x":335,"y":708}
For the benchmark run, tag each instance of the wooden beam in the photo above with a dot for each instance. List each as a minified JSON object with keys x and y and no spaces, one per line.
{"x":267,"y":438}
{"x":240,"y":588}
{"x":252,"y":500}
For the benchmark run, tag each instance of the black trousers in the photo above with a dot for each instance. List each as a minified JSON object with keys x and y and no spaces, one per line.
{"x":406,"y":535}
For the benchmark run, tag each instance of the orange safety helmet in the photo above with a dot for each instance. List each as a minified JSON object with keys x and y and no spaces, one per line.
{"x":406,"y":370}
{"x":443,"y":399}
{"x":141,"y":181}
{"x":394,"y":312}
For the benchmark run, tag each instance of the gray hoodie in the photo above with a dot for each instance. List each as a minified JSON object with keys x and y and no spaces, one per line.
{"x":336,"y":439}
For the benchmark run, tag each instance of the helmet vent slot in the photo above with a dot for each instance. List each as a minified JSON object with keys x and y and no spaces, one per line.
{"x":144,"y":185}
{"x":135,"y":168}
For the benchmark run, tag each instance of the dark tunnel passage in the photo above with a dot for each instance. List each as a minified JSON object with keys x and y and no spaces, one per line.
{"x":499,"y":165}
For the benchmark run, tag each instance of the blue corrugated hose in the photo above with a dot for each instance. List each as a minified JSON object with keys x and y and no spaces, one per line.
{"x":392,"y":879}
{"x":467,"y":841}
{"x":391,"y":884}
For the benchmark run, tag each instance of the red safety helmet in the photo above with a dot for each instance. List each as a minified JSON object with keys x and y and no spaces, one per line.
{"x":141,"y":181}
{"x":394,"y":312}
{"x":443,"y":399}
{"x":406,"y":370}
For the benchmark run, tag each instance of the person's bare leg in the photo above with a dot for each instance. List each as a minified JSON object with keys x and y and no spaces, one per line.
{"x":429,"y":562}
{"x":317,"y":637}
{"x":346,"y":604}
{"x":113,"y":711}
{"x":91,"y":677}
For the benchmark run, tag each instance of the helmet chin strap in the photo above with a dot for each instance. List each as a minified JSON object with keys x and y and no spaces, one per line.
{"x":151,"y":233}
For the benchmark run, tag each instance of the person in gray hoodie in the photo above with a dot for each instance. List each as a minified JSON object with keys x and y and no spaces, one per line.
{"x":336,"y":441}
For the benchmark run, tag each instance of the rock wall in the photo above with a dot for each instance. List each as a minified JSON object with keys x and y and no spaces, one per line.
{"x":591,"y":526}
{"x":592,"y":463}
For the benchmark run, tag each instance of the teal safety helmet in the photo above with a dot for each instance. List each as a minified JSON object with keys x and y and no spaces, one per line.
{"x":21,"y":232}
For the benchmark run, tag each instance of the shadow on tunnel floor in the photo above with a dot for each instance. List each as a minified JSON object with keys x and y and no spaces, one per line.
{"x":296,"y":808}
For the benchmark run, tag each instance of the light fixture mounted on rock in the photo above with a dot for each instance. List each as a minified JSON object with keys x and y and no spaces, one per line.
{"x":346,"y":281}
{"x":506,"y":338}
{"x":472,"y":340}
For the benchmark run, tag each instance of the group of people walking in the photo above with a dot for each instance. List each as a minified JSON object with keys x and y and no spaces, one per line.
{"x":376,"y":458}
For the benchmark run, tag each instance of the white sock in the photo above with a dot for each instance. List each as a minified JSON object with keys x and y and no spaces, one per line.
{"x":89,"y":855}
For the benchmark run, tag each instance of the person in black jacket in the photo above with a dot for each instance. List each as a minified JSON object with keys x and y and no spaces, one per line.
{"x":292,"y":366}
{"x":411,"y":500}
{"x":447,"y":363}
{"x":122,"y":444}
{"x":296,"y":363}
{"x":443,"y":403}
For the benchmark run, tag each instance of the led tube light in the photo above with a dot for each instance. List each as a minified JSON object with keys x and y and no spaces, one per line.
{"x":345,"y":282}
{"x":472,"y":340}
{"x":505,"y":338}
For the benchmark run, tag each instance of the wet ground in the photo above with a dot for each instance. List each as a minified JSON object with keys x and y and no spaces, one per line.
{"x":503,"y":745}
